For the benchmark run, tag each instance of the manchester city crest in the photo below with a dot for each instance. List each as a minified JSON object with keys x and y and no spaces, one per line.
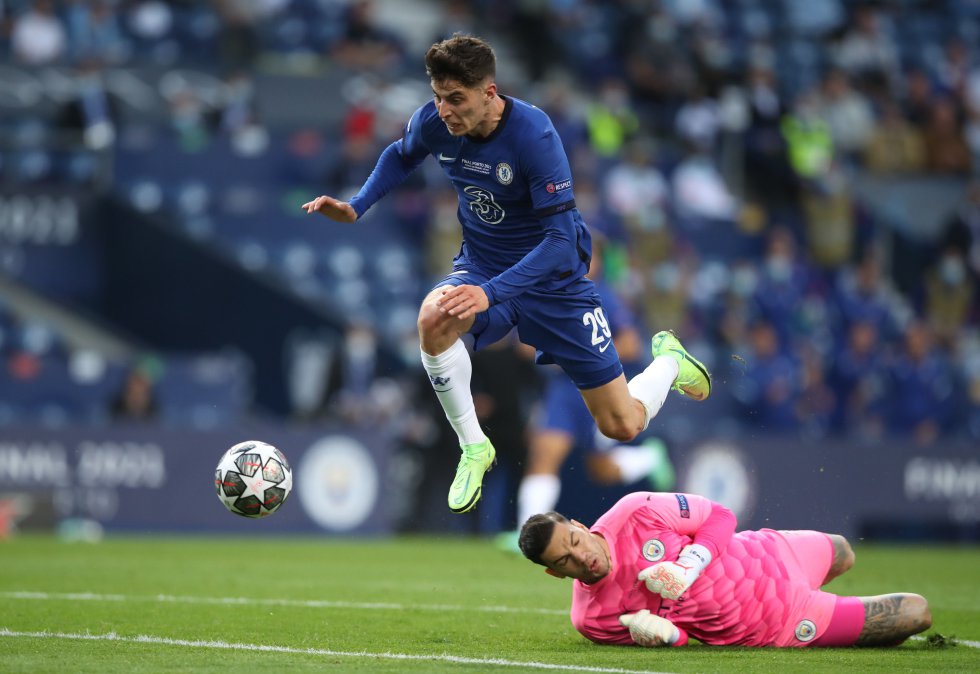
{"x":806,"y":630}
{"x":505,"y":174}
{"x":653,"y":550}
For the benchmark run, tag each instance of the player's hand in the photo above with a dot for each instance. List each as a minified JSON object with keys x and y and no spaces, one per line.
{"x":341,"y":211}
{"x":463,"y":301}
{"x":648,"y":629}
{"x":669,"y":579}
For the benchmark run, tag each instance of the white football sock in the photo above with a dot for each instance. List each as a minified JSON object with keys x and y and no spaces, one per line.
{"x":652,"y":385}
{"x":601,"y":443}
{"x":450,"y":373}
{"x":633,"y":462}
{"x":537,"y":494}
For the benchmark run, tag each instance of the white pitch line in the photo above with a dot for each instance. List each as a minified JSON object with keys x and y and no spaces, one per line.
{"x":312,"y":603}
{"x":224,"y":645}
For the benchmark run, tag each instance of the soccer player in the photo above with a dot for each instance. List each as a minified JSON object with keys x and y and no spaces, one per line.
{"x":523,"y":261}
{"x":564,"y":424}
{"x":659,"y":568}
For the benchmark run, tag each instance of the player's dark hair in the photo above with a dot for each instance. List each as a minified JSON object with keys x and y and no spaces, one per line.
{"x":462,"y":58}
{"x":536,"y":534}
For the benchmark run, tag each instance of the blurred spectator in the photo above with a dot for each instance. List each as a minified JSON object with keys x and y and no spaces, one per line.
{"x":895,"y":146}
{"x":962,"y":232}
{"x":950,"y":294}
{"x":862,"y":294}
{"x":611,"y":120}
{"x":38,"y":36}
{"x":866,"y":51}
{"x":698,"y":120}
{"x":946,"y":148}
{"x":917,"y":101}
{"x":363,"y":44}
{"x":920,"y":387}
{"x":847,"y":113}
{"x":768,"y":393}
{"x":92,"y":113}
{"x":809,"y":140}
{"x":767,"y":171}
{"x":137,"y":401}
{"x":782,"y":285}
{"x":635,"y":190}
{"x":699,"y":189}
{"x":857,"y":378}
{"x":94,"y":33}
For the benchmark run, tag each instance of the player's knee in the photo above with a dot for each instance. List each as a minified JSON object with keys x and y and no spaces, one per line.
{"x":917,"y":608}
{"x":843,"y":553}
{"x":617,"y":428}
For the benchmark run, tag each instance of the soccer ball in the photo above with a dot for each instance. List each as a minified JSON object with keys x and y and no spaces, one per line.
{"x":253,"y":479}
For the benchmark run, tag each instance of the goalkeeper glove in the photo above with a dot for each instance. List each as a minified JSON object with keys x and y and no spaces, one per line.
{"x":671,"y":579}
{"x":649,"y":629}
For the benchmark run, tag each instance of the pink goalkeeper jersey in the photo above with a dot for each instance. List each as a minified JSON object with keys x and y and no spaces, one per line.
{"x":755,"y":592}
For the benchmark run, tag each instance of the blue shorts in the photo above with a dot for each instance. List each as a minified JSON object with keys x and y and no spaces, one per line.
{"x":567,"y":326}
{"x":563,"y":410}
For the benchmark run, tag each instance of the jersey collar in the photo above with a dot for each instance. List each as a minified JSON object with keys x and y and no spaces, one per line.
{"x":508,"y":105}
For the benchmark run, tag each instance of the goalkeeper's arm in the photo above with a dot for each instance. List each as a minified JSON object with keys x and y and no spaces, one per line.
{"x":650,"y":630}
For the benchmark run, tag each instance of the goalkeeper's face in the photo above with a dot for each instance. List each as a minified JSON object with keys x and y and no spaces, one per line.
{"x":575,"y":552}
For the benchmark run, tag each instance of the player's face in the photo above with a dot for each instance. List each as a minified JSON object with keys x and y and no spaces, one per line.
{"x":574,"y":552}
{"x":464,"y":110}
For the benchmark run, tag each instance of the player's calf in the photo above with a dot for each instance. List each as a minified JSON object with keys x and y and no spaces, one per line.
{"x":890,"y":619}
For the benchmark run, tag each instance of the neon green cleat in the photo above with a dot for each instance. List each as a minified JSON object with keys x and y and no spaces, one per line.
{"x":661,"y":476}
{"x":693,"y":379}
{"x":477,"y":459}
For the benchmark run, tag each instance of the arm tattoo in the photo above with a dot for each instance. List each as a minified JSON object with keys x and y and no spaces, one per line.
{"x":884,"y":621}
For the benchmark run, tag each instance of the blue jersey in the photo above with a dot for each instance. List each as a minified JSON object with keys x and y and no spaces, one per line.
{"x":516,"y":204}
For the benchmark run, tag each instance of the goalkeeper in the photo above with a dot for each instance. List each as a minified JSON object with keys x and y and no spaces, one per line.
{"x":659,"y":568}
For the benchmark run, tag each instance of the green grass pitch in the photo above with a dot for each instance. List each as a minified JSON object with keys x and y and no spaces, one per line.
{"x":270,"y":604}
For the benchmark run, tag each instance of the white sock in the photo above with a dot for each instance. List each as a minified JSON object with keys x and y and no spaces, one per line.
{"x":537,"y":494}
{"x":601,"y":443}
{"x":633,"y":462}
{"x":450,"y":373}
{"x":651,"y":386}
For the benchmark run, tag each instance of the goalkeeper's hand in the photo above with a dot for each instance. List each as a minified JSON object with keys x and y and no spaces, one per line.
{"x":648,"y":629}
{"x":671,"y":579}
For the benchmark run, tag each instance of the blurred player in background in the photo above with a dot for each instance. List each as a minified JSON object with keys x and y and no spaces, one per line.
{"x":564,"y":424}
{"x":659,"y":568}
{"x":523,"y":262}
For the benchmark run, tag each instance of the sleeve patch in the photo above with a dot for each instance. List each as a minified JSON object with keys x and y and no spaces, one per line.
{"x":682,"y":503}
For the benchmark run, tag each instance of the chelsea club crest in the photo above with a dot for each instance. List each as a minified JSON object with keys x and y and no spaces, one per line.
{"x":505,"y":174}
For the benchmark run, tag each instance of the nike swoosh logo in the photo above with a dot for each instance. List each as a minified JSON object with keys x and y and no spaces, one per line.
{"x":443,"y":157}
{"x":605,"y":346}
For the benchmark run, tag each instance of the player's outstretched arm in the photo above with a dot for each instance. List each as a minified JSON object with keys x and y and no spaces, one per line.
{"x":341,"y":211}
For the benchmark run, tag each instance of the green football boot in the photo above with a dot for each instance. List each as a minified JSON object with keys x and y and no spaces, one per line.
{"x":693,"y":379}
{"x":477,"y":459}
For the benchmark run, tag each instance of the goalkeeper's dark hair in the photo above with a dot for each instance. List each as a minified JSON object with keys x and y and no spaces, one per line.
{"x":461,"y":58}
{"x":536,"y":534}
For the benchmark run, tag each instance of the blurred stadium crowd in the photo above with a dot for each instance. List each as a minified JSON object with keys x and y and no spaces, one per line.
{"x":793,"y":182}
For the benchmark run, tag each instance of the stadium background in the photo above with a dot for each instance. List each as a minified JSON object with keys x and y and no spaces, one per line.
{"x":791,"y":182}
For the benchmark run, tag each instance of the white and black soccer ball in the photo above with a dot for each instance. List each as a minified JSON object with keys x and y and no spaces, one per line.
{"x":253,"y":479}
